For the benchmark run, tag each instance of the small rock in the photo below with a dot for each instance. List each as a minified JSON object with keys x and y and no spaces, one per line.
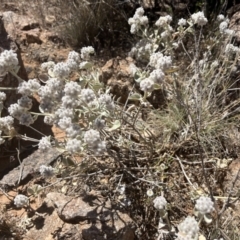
{"x":33,"y":36}
{"x":99,"y":219}
{"x":30,"y":165}
{"x":72,"y":209}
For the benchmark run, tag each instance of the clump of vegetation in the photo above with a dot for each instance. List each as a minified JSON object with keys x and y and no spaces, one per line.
{"x":141,"y":154}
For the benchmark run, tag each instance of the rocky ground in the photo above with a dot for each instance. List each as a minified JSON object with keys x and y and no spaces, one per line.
{"x":70,"y":209}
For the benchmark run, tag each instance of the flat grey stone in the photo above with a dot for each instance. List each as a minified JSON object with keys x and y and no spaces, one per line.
{"x":30,"y":165}
{"x":99,"y":219}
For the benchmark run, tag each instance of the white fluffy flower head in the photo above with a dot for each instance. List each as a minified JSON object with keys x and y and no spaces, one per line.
{"x":2,"y":96}
{"x":231,"y":49}
{"x":147,"y":85}
{"x":160,"y":203}
{"x":220,"y":17}
{"x":91,"y":137}
{"x":8,"y":61}
{"x":61,"y":70}
{"x":188,"y":229}
{"x":21,"y":201}
{"x":157,"y":76}
{"x":44,"y":143}
{"x":199,"y":19}
{"x":47,"y":65}
{"x":73,"y":145}
{"x":163,"y":21}
{"x":182,"y":22}
{"x":87,"y":95}
{"x":204,"y":205}
{"x":86,"y":52}
{"x":46,"y":171}
{"x":138,"y":20}
{"x":223,"y":26}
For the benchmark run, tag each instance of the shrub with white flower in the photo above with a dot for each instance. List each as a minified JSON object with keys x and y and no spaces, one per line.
{"x":94,"y":123}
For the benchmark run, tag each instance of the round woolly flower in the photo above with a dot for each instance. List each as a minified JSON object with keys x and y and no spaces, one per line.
{"x":6,"y":123}
{"x":29,"y":87}
{"x":223,"y":26}
{"x":229,"y":32}
{"x":55,"y":84}
{"x":163,"y":21}
{"x":8,"y":61}
{"x":47,"y":65}
{"x":65,"y":122}
{"x":74,"y":56}
{"x":72,"y":65}
{"x":26,"y":119}
{"x":25,"y":102}
{"x":220,"y":17}
{"x":164,"y":63}
{"x":92,"y":137}
{"x":73,"y":131}
{"x":165,"y":34}
{"x":204,"y":205}
{"x":21,"y":200}
{"x":160,"y":203}
{"x":154,"y":58}
{"x":47,"y":105}
{"x":70,"y":102}
{"x":46,"y":171}
{"x":86,"y":52}
{"x":64,"y":112}
{"x":73,"y":145}
{"x":182,"y":22}
{"x":72,"y":89}
{"x":139,"y":12}
{"x":24,"y":89}
{"x":44,"y":143}
{"x":137,"y":20}
{"x":49,"y":120}
{"x":106,"y":101}
{"x":61,"y":70}
{"x":188,"y":229}
{"x":157,"y":76}
{"x":15,"y":110}
{"x":134,"y":28}
{"x":231,"y":49}
{"x":199,"y":19}
{"x":87,"y":95}
{"x":147,"y":85}
{"x":2,"y":96}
